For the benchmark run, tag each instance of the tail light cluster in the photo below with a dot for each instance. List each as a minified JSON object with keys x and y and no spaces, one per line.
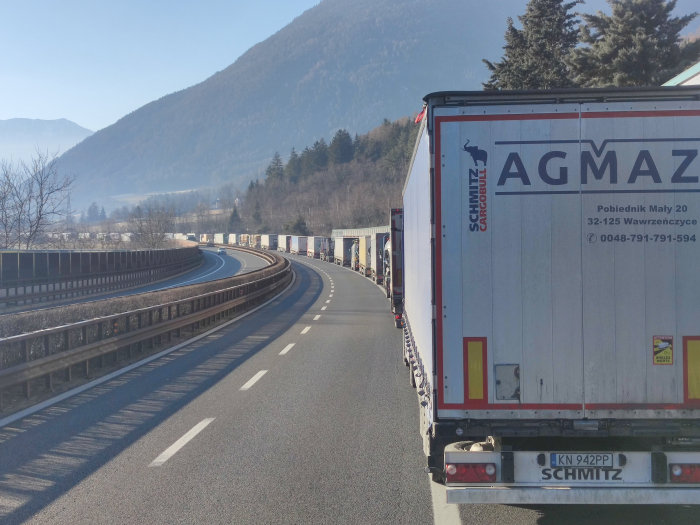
{"x":684,"y":473}
{"x":470,"y":472}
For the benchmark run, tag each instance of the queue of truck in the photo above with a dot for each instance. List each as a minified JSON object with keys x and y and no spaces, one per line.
{"x":543,"y":270}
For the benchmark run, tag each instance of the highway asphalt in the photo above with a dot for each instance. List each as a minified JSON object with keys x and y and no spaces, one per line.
{"x":300,"y":412}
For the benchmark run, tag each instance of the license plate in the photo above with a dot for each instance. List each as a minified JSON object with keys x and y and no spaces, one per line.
{"x":580,"y":459}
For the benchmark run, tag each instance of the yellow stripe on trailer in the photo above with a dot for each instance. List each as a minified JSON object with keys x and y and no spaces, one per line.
{"x":475,"y":369}
{"x":693,"y":367}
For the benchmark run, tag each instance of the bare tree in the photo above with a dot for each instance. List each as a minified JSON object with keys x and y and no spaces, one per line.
{"x":150,"y":224}
{"x":32,"y":197}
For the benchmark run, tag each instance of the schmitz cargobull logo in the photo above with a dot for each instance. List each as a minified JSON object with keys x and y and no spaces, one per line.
{"x":478,"y":199}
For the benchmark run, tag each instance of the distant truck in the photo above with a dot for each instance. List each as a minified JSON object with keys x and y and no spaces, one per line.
{"x":363,"y":255}
{"x":393,"y":265}
{"x":299,"y":243}
{"x":327,"y":245}
{"x":268,"y":242}
{"x":284,"y":243}
{"x":552,"y":298}
{"x":342,"y":250}
{"x":314,"y":246}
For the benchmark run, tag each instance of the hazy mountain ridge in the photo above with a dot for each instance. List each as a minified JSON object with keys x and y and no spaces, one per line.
{"x":21,"y":137}
{"x":337,"y":65}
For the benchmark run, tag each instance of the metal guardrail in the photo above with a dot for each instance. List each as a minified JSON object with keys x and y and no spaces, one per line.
{"x":38,"y":356}
{"x":28,"y":277}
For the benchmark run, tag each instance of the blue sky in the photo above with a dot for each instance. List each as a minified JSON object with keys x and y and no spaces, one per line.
{"x":94,"y":61}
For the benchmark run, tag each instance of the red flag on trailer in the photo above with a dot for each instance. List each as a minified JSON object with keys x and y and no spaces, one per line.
{"x":421,"y":115}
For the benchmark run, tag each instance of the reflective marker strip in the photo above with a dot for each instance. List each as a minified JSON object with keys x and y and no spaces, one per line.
{"x":475,"y":368}
{"x":175,"y":447}
{"x":692,"y":364}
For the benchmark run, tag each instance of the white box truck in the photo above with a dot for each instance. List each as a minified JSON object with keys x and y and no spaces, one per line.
{"x":298,"y":245}
{"x":552,"y":295}
{"x":268,"y":242}
{"x":314,"y":245}
{"x":342,"y":250}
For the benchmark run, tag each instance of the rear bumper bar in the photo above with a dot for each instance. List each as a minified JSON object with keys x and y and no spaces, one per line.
{"x":574,"y":496}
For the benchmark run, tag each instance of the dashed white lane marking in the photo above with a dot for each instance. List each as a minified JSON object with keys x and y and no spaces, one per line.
{"x":305,"y":330}
{"x":317,"y":317}
{"x":323,"y":307}
{"x":287,"y":348}
{"x":175,"y":447}
{"x":253,"y":380}
{"x":331,"y":295}
{"x":328,"y":301}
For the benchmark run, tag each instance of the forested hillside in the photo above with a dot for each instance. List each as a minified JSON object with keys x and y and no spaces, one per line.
{"x":347,"y":183}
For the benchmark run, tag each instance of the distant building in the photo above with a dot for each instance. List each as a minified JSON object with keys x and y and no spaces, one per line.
{"x":689,"y":77}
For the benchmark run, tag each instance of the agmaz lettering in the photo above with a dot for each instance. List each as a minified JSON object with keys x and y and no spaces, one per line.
{"x":553,"y":170}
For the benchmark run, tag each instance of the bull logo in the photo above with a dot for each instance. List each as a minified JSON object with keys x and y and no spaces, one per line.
{"x":476,"y":153}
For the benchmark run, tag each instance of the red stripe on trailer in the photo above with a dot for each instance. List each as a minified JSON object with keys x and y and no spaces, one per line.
{"x":437,"y":154}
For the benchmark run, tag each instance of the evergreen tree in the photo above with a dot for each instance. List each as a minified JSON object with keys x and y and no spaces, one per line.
{"x":638,"y":45}
{"x":93,"y":213}
{"x":341,"y":148}
{"x":234,"y":221}
{"x":298,"y":227}
{"x":535,"y":56}
{"x":275,"y":170}
{"x":292,"y":170}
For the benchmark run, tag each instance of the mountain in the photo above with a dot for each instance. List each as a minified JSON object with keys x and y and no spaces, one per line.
{"x":339,"y":65}
{"x":20,"y":138}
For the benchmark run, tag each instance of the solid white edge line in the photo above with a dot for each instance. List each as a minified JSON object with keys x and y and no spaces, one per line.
{"x":253,"y":380}
{"x":175,"y":447}
{"x":443,"y":513}
{"x":305,"y":330}
{"x":79,"y":390}
{"x":287,"y":348}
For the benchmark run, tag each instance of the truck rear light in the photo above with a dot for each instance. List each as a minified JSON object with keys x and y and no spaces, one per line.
{"x":471,"y":472}
{"x":684,"y":473}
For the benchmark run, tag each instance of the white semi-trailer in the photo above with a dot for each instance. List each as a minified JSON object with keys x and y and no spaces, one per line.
{"x":552,"y":295}
{"x":268,"y":242}
{"x":299,"y":245}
